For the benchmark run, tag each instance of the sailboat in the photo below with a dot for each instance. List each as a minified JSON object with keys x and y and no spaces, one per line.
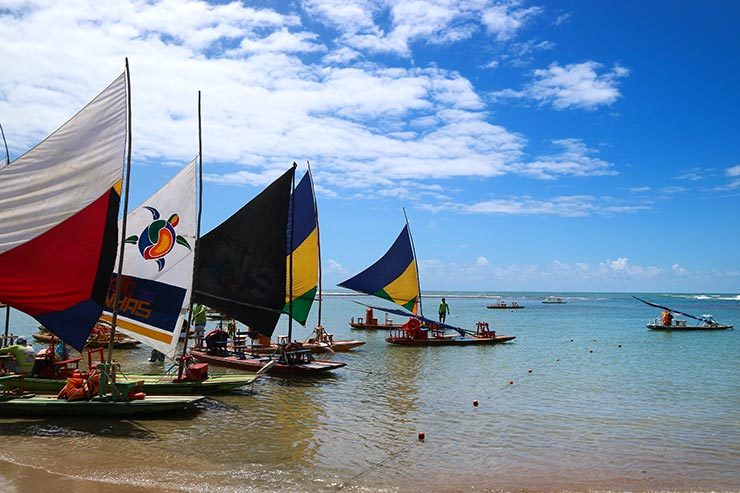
{"x":395,"y":278}
{"x":303,"y":228}
{"x":667,"y":323}
{"x":241,"y":271}
{"x":59,"y":204}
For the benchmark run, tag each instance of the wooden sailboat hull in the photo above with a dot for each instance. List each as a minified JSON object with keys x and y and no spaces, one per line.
{"x":684,"y":328}
{"x":255,"y":364}
{"x":363,"y":326}
{"x":155,"y":384}
{"x":50,"y":406}
{"x":449,"y":341}
{"x":127,"y":343}
{"x":337,"y":347}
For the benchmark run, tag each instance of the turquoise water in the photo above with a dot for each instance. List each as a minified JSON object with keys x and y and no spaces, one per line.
{"x":660,"y":412}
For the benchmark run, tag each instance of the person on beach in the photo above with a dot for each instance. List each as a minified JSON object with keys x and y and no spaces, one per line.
{"x":444,"y":309}
{"x":199,"y":319}
{"x":24,"y":356}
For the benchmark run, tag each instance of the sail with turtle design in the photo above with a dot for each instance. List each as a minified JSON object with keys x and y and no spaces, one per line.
{"x":394,"y":277}
{"x":158,"y":265}
{"x":240,"y":267}
{"x":59,"y":218}
{"x":303,"y":243}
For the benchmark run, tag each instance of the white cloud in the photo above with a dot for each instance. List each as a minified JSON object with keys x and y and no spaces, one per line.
{"x":576,"y":159}
{"x":733,"y":171}
{"x":693,"y":174}
{"x":577,"y":85}
{"x":481,"y":261}
{"x":565,"y":206}
{"x":640,"y":189}
{"x":504,"y":20}
{"x":562,"y":19}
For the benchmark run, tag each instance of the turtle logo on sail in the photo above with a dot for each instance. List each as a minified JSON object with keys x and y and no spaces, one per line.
{"x":158,"y":239}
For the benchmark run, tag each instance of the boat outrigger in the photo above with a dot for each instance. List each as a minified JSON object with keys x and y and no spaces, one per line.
{"x":394,"y":277}
{"x":502,"y":305}
{"x":666,"y":322}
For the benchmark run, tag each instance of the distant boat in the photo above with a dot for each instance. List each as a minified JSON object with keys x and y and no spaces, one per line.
{"x":502,"y":305}
{"x":394,"y":277}
{"x":372,"y":323}
{"x":553,"y":300}
{"x":666,"y":322}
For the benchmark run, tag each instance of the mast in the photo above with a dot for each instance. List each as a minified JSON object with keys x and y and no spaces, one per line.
{"x":318,"y":239}
{"x":197,"y":240}
{"x":416,"y":264}
{"x":122,"y":243}
{"x":7,"y":154}
{"x":290,"y":258}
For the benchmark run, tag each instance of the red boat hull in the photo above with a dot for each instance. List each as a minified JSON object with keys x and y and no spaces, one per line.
{"x":449,"y":341}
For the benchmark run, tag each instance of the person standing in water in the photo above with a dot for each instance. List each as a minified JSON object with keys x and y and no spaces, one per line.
{"x":444,"y":309}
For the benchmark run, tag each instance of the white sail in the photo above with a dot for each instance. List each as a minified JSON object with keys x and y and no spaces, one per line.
{"x":158,"y":265}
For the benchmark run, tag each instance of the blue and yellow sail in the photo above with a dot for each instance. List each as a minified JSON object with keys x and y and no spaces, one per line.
{"x":303,"y":240}
{"x":394,"y":277}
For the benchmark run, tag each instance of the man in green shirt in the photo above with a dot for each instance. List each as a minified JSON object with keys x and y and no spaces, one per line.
{"x":444,"y":309}
{"x":199,"y":320}
{"x":23,"y":354}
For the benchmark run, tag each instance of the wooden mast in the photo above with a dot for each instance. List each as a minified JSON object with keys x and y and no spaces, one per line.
{"x":181,"y":368}
{"x":290,"y":258}
{"x":416,"y":264}
{"x":318,"y":239}
{"x":121,"y":250}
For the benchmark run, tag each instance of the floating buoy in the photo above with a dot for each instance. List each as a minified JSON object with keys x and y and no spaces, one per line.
{"x":529,"y":371}
{"x":511,"y":382}
{"x":571,"y":340}
{"x":558,"y":359}
{"x":590,"y":350}
{"x":619,"y":345}
{"x":475,"y":403}
{"x":422,"y":436}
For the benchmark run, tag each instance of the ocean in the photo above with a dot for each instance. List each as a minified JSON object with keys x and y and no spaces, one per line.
{"x":585,"y":398}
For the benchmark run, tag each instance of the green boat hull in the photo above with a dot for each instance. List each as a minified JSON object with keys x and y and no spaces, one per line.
{"x":50,"y":406}
{"x":155,"y":384}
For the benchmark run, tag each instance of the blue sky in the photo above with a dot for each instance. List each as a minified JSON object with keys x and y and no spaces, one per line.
{"x":535,"y":145}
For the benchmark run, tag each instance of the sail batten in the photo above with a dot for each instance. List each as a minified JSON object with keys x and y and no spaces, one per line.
{"x":241,"y":269}
{"x":59,"y":204}
{"x":393,"y":277}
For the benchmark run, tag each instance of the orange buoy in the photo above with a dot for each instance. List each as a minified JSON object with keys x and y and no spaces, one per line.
{"x":422,"y":436}
{"x":475,"y":403}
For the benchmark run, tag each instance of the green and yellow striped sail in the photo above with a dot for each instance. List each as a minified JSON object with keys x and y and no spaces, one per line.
{"x":393,"y":277}
{"x":303,"y":228}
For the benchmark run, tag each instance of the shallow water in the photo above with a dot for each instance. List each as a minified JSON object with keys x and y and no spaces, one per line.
{"x":660,"y":412}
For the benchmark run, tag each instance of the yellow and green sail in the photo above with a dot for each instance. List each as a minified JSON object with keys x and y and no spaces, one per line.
{"x":303,"y":229}
{"x":393,"y":277}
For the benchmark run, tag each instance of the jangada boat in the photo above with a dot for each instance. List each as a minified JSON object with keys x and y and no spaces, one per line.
{"x":253,"y":242}
{"x":553,"y":300}
{"x":666,"y":321}
{"x":371,"y":323}
{"x":99,"y":338}
{"x":57,"y":251}
{"x":502,"y":305}
{"x":318,"y":342}
{"x":394,"y":277}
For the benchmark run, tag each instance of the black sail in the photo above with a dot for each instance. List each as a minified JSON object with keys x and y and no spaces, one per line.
{"x":240,"y":265}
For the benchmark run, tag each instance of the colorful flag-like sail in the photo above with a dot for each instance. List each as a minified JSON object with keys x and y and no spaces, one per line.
{"x":393,"y":277}
{"x":240,"y":269}
{"x":59,"y":219}
{"x":158,"y":265}
{"x":303,"y":229}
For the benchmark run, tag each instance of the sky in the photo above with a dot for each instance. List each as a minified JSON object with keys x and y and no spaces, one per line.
{"x":536,"y":146}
